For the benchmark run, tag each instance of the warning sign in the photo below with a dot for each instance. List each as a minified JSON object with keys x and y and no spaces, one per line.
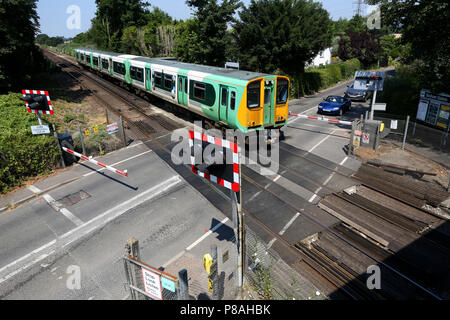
{"x":152,"y":284}
{"x":366,"y":138}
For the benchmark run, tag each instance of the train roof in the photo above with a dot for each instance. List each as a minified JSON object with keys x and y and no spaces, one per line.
{"x":231,"y":73}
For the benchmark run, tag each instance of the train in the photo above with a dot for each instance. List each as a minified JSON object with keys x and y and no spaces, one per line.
{"x":226,"y":98}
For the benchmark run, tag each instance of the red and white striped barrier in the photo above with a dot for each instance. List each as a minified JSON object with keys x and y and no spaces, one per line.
{"x":79,"y":155}
{"x":335,"y":121}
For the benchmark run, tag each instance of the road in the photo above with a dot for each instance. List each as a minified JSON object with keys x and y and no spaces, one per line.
{"x":87,"y":221}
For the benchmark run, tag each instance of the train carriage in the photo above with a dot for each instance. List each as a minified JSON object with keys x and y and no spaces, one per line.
{"x":230,"y":98}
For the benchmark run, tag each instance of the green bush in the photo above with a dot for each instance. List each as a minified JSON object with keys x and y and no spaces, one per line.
{"x":22,"y":155}
{"x":316,"y":79}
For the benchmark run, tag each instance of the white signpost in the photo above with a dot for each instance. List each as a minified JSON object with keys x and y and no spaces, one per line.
{"x":41,"y":129}
{"x":152,"y":284}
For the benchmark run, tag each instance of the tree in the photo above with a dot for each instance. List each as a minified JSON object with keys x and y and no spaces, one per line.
{"x":42,"y":38}
{"x":154,"y":39}
{"x":54,"y":41}
{"x":112,"y":17}
{"x":19,"y":24}
{"x":425,"y":28}
{"x":363,"y":46}
{"x":281,"y":34}
{"x":211,"y":36}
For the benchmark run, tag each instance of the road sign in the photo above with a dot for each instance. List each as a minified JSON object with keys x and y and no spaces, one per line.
{"x":380,"y":107}
{"x":152,"y":283}
{"x":43,"y":129}
{"x":112,"y":128}
{"x":366,"y":138}
{"x":356,"y":141}
{"x":224,"y":174}
{"x":37,"y":101}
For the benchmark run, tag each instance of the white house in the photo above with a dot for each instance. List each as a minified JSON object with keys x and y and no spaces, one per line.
{"x":323,"y":58}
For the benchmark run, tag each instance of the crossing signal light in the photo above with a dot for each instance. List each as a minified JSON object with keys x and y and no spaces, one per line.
{"x":37,"y":101}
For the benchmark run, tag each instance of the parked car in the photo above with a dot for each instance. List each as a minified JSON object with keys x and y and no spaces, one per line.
{"x":358,"y":92}
{"x":335,"y":105}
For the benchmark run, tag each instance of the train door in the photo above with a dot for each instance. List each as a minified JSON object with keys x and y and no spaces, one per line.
{"x":111,"y":66}
{"x":148,"y":79}
{"x":268,"y":104}
{"x":223,"y":103}
{"x":183,"y":90}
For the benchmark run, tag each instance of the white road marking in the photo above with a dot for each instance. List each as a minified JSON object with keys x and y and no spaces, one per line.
{"x":34,"y":189}
{"x":59,"y":208}
{"x":75,"y":234}
{"x":282,"y":232}
{"x":71,"y":217}
{"x":320,"y":142}
{"x":207,"y":234}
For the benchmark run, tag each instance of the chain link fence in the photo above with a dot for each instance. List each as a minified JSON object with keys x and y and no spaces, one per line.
{"x":271,"y":277}
{"x":415,"y":133}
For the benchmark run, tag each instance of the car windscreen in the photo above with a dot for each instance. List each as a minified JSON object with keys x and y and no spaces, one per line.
{"x":334,"y":99}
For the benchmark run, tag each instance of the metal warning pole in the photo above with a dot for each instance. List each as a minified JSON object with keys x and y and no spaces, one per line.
{"x":241,"y":258}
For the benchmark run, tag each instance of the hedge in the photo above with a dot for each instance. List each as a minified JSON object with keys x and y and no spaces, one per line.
{"x":22,"y":155}
{"x":316,"y":79}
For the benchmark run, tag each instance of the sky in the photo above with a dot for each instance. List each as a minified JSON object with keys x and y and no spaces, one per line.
{"x":60,"y":17}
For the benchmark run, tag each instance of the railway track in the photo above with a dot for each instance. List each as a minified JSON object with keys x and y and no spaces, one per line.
{"x":154,"y":128}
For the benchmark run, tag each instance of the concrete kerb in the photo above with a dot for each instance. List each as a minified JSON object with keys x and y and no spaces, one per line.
{"x":15,"y":204}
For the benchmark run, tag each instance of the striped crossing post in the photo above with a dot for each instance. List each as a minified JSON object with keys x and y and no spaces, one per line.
{"x":79,"y":155}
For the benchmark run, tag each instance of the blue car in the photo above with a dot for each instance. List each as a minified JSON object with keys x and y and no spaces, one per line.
{"x":335,"y":105}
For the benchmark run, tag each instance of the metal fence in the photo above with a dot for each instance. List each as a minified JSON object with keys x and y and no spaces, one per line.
{"x":412,"y":132}
{"x":158,"y":285}
{"x":270,"y":276}
{"x":94,"y":140}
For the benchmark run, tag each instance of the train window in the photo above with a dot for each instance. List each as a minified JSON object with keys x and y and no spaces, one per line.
{"x":254,"y":95}
{"x":282,"y":90}
{"x":267,"y":96}
{"x":203,"y":93}
{"x":158,"y":79}
{"x":233,"y":100}
{"x":95,"y":61}
{"x":199,"y":90}
{"x":168,"y":82}
{"x":119,"y":68}
{"x":137,"y":74}
{"x":224,"y":97}
{"x":105,"y":63}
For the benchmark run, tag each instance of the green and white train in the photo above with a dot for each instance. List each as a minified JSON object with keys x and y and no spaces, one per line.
{"x":227,"y":97}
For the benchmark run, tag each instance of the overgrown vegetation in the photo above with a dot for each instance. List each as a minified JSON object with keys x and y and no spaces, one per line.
{"x":316,"y":79}
{"x":22,"y":155}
